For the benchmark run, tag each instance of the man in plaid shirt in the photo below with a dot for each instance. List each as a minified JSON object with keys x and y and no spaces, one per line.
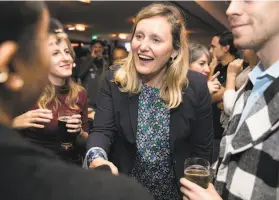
{"x":248,"y":167}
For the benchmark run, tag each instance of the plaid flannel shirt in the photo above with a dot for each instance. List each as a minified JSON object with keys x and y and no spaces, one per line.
{"x":248,"y":166}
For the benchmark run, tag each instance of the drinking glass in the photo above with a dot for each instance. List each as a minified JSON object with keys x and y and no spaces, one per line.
{"x":67,"y":138}
{"x":197,"y":170}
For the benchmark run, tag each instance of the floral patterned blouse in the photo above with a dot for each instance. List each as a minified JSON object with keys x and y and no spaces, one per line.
{"x":153,"y":166}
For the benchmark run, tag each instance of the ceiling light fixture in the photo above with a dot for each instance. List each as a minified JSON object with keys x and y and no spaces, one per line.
{"x":77,"y":27}
{"x":80,"y":27}
{"x":122,"y":36}
{"x":71,"y":28}
{"x":95,"y":37}
{"x":113,"y":35}
{"x":132,"y":19}
{"x":85,"y":1}
{"x":75,"y":44}
{"x":188,"y":32}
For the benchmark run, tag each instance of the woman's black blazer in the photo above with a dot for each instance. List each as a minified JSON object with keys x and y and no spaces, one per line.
{"x":115,"y":124}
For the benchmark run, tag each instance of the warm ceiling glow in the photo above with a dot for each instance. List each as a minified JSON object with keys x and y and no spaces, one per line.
{"x":189,"y":31}
{"x":113,"y":35}
{"x":78,"y":27}
{"x":122,"y":36}
{"x":85,"y":1}
{"x":132,"y":19}
{"x":75,"y":44}
{"x":71,"y":28}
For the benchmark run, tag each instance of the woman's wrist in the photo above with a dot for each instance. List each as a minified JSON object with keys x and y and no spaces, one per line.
{"x":93,"y":154}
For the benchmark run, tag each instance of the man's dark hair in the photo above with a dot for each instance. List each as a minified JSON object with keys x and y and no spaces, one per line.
{"x":226,"y":38}
{"x":97,"y":41}
{"x":218,"y":34}
{"x":55,"y":26}
{"x":18,"y":21}
{"x":120,"y":47}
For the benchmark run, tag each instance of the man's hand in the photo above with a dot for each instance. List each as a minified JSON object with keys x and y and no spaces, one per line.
{"x":192,"y":191}
{"x":100,"y":161}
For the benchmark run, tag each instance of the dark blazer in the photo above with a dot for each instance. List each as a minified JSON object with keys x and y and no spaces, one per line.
{"x":31,"y":173}
{"x":115,"y":124}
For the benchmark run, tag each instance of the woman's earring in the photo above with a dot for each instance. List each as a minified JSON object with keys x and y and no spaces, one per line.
{"x":4,"y":75}
{"x":170,"y":61}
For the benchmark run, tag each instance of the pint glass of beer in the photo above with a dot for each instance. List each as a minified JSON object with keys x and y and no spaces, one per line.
{"x":197,"y":170}
{"x":66,"y":138}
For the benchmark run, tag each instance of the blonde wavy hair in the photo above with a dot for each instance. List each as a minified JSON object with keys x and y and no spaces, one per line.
{"x":176,"y":71}
{"x":49,"y":94}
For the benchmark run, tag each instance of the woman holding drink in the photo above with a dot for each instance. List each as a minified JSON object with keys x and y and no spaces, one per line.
{"x":152,"y":112}
{"x":60,"y":115}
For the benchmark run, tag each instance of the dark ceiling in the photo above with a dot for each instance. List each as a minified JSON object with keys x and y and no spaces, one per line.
{"x":106,"y":17}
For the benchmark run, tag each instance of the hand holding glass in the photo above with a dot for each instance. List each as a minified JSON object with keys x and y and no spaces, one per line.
{"x":197,"y":170}
{"x":67,"y":138}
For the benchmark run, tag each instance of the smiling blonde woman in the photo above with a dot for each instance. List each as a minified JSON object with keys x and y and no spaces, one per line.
{"x":152,"y":113}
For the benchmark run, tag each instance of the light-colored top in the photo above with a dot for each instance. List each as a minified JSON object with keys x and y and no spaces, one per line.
{"x":230,"y":96}
{"x":229,"y":100}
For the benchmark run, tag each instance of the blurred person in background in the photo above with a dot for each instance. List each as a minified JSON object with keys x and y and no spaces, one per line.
{"x":152,"y":112}
{"x":27,"y":171}
{"x":90,"y":72}
{"x":118,"y":54}
{"x":39,"y":124}
{"x":199,"y":61}
{"x":224,"y":51}
{"x":236,"y":77}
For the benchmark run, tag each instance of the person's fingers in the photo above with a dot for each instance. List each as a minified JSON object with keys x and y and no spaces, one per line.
{"x":40,"y":110}
{"x":35,"y":113}
{"x":238,"y":62}
{"x":73,"y":121}
{"x":43,"y":115}
{"x":189,"y":185}
{"x":73,"y":130}
{"x":216,"y":84}
{"x":37,"y":119}
{"x":113,"y":169}
{"x":215,"y":81}
{"x":77,"y":116}
{"x":34,"y":125}
{"x":184,"y":182}
{"x":214,"y":90}
{"x":187,"y":194}
{"x":40,"y":113}
{"x":215,"y":76}
{"x":73,"y":126}
{"x":100,"y":161}
{"x":217,"y":87}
